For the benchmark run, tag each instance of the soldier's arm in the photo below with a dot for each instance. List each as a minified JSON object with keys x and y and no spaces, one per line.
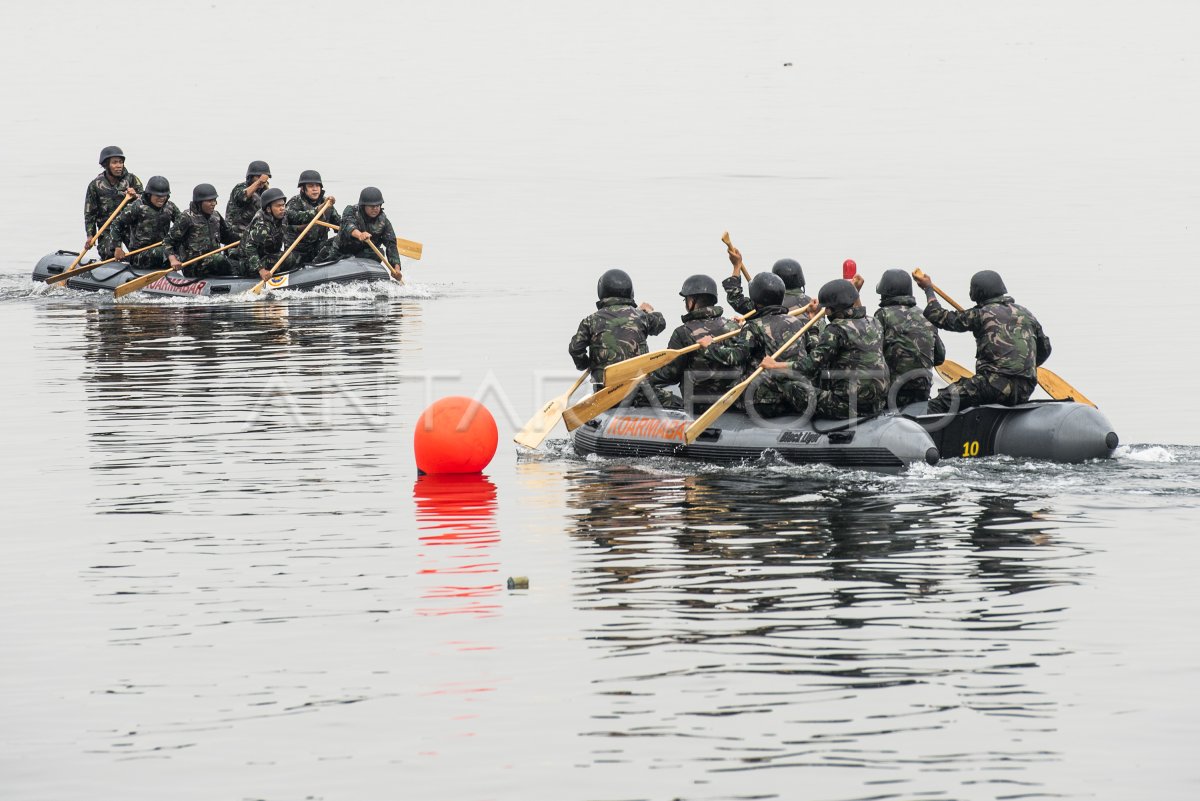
{"x":939,"y":349}
{"x":734,"y":297}
{"x":228,"y":235}
{"x":654,"y":322}
{"x":123,"y":226}
{"x":820,"y":355}
{"x":671,"y":372}
{"x":948,"y":319}
{"x":579,"y":344}
{"x":389,"y":240}
{"x":136,"y":183}
{"x":347,"y":225}
{"x":91,"y":206}
{"x":174,"y":238}
{"x":733,"y":352}
{"x":332,"y":217}
{"x":1043,"y":343}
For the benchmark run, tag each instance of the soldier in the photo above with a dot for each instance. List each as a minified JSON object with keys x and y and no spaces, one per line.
{"x":911,"y":345}
{"x":301,"y":208}
{"x":847,"y":361}
{"x":761,"y":336}
{"x":617,"y":330}
{"x":200,"y":229}
{"x":701,"y":378}
{"x":366,"y":221}
{"x":144,"y":222}
{"x":245,"y":198}
{"x":262,"y":244}
{"x":1009,"y":344}
{"x":793,"y":291}
{"x":103,"y":195}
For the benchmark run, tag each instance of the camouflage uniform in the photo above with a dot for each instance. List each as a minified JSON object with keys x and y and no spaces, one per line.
{"x":141,"y":224}
{"x":848,"y":358}
{"x":702,"y":377}
{"x":99,"y":201}
{"x":792,"y":299}
{"x":380,"y":229}
{"x":262,"y":245}
{"x":761,"y":336}
{"x":240,"y":210}
{"x":911,"y":346}
{"x":1009,"y":346}
{"x":315,"y":246}
{"x":194,"y":235}
{"x":616,"y":331}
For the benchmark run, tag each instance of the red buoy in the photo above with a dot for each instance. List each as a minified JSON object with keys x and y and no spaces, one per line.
{"x":455,"y":435}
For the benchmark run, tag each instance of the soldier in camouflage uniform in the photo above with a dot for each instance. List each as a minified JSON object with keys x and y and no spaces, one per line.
{"x":769,"y":395}
{"x":847,"y":361}
{"x":911,"y":345}
{"x":144,"y":222}
{"x":262,"y":244}
{"x":245,"y":199}
{"x":702,"y":379}
{"x":616,"y":331}
{"x":301,"y":208}
{"x":366,"y":221}
{"x":792,"y":274}
{"x":103,"y":195}
{"x":1009,"y":344}
{"x":199,"y":230}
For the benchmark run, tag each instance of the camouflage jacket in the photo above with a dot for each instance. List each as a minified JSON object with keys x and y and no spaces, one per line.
{"x":300,"y":210}
{"x":141,"y":224}
{"x":850,"y":348}
{"x":240,"y":210}
{"x":380,"y":229}
{"x":910,"y":342}
{"x":262,"y":243}
{"x":1008,"y":338}
{"x":614,"y":332}
{"x":102,"y":197}
{"x":761,"y":336}
{"x":194,"y":234}
{"x":706,"y":374}
{"x":792,"y":298}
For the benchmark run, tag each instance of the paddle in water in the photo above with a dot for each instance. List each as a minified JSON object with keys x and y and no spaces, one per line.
{"x":149,"y":278}
{"x":541,"y":424}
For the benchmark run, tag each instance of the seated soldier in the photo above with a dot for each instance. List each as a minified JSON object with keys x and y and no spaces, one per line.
{"x":262,"y":244}
{"x":1009,"y":344}
{"x":144,"y":222}
{"x":316,"y":246}
{"x":617,"y":330}
{"x":701,"y":378}
{"x":245,"y":199}
{"x":103,"y":196}
{"x":201,"y":229}
{"x":847,"y":363}
{"x":911,"y":345}
{"x":367,"y":222}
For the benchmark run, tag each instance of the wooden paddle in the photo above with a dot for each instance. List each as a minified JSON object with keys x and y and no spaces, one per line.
{"x":729,"y":249}
{"x":1051,"y":383}
{"x":649,"y":362}
{"x":952,"y":371}
{"x":725,"y":401}
{"x":383,"y":259}
{"x":96,"y":236}
{"x":540,"y":425}
{"x":258,"y":288}
{"x":406,"y":247}
{"x":149,"y":278}
{"x":87,"y":268}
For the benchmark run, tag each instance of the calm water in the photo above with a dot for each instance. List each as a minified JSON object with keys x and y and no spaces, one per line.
{"x":224,"y":578}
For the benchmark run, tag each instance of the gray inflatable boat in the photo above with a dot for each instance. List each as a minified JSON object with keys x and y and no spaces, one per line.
{"x":886,"y":444}
{"x":1058,"y":431}
{"x":110,"y":276}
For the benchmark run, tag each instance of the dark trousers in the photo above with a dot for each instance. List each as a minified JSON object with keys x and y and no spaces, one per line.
{"x":984,"y":388}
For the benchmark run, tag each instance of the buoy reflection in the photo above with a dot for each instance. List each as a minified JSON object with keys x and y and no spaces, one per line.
{"x":456,"y":515}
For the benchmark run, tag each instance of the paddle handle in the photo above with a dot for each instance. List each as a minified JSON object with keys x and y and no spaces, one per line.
{"x":149,"y":278}
{"x":382,"y":258}
{"x":919,"y":274}
{"x":65,"y":274}
{"x":729,"y":249}
{"x":99,"y":231}
{"x":258,"y":288}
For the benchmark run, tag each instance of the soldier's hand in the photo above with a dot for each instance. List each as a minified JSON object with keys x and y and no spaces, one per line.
{"x":174,"y":261}
{"x":119,"y":253}
{"x":739,"y":319}
{"x":857,"y":280}
{"x":264,"y":273}
{"x":735,"y":258}
{"x":812,"y":308}
{"x":646,"y":307}
{"x":91,"y":240}
{"x":332,"y":200}
{"x":924,"y":281}
{"x":704,"y":341}
{"x":131,"y":191}
{"x":361,"y":236}
{"x":771,"y":363}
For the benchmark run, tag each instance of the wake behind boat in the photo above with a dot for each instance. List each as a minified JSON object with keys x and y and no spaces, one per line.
{"x":111,"y":276}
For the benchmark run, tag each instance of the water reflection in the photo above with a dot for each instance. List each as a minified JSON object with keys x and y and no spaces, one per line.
{"x":220,"y":402}
{"x":790,"y":622}
{"x":456,"y":515}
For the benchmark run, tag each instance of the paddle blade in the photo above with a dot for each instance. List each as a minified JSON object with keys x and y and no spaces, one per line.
{"x":717,"y":409}
{"x":1058,"y":389}
{"x":409,"y":249}
{"x":137,"y":283}
{"x":638,"y":366}
{"x":542,"y":423}
{"x":952,"y":371}
{"x":597,"y":403}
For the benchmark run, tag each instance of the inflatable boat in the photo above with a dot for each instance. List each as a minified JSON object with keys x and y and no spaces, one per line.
{"x":1059,"y":431}
{"x":885,"y":444}
{"x":110,"y":276}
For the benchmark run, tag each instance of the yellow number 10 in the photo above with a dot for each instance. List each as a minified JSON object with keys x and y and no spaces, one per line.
{"x":971,"y":448}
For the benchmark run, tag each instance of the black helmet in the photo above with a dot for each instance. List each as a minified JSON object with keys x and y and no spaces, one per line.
{"x":157,"y":185}
{"x":837,"y":295}
{"x":370,"y":196}
{"x":894,"y":282}
{"x":204,"y":192}
{"x":112,"y":151}
{"x":270,"y":196}
{"x":700,"y":285}
{"x":791,"y":273}
{"x":766,"y":290}
{"x":987,"y":284}
{"x":310,"y":177}
{"x":615,"y":284}
{"x":257,"y":168}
